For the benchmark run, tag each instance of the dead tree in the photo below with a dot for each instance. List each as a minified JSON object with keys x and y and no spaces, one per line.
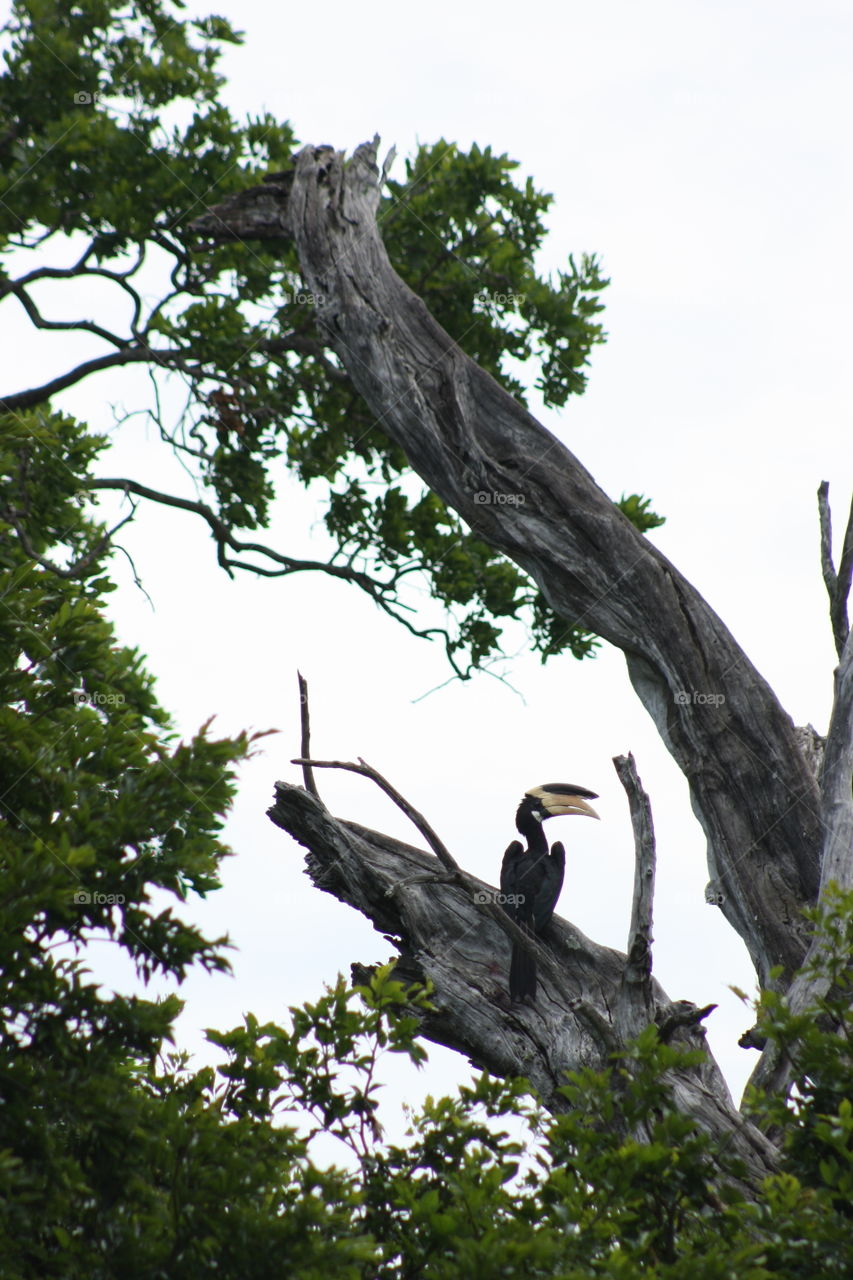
{"x":779,"y":826}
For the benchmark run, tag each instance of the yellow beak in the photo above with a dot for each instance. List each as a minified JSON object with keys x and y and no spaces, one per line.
{"x":557,"y":803}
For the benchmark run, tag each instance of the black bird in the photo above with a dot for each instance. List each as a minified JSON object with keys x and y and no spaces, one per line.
{"x":531,"y":878}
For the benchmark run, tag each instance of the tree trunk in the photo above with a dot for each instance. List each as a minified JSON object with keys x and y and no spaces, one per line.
{"x":751,"y":784}
{"x":465,"y":436}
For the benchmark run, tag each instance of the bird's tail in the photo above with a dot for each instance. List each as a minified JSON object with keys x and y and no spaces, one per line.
{"x":522,"y":971}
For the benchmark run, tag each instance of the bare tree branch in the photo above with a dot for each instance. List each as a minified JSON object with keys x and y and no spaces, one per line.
{"x":20,"y":400}
{"x":455,"y":874}
{"x":76,"y":271}
{"x":750,"y":785}
{"x":845,"y":577}
{"x":837,"y":584}
{"x":260,"y":213}
{"x":224,"y":536}
{"x":826,"y":564}
{"x":636,"y":1003}
{"x":443,"y":934}
{"x":813,"y":982}
{"x":78,"y":567}
{"x":381,"y":591}
{"x":85,"y":326}
{"x":434,"y":841}
{"x":305,"y":743}
{"x":837,"y":779}
{"x":49,"y":273}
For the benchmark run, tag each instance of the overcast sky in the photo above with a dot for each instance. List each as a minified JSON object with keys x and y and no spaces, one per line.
{"x":702,"y":150}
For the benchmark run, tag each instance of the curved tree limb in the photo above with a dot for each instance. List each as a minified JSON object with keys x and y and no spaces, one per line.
{"x":20,"y":400}
{"x":78,"y":567}
{"x":380,"y":590}
{"x":434,"y":841}
{"x":85,"y":326}
{"x":476,"y":447}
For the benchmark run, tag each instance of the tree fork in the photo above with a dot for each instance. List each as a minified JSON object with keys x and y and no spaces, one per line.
{"x":442,"y":927}
{"x":750,"y":785}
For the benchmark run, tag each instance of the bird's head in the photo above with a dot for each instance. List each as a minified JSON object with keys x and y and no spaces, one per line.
{"x":553,"y":800}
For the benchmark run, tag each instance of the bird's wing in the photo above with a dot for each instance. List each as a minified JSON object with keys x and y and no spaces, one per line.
{"x":510,"y":867}
{"x":550,"y":884}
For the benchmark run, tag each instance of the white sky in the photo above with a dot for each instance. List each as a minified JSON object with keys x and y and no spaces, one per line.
{"x":702,"y":149}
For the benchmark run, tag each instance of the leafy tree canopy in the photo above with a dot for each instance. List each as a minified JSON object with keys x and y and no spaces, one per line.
{"x":114,"y":140}
{"x":117,"y":1159}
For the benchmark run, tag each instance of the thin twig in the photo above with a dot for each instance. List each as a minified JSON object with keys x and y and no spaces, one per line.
{"x":78,"y":567}
{"x":437,"y":845}
{"x":457,"y":875}
{"x":114,"y":359}
{"x":137,"y":581}
{"x":87,"y":326}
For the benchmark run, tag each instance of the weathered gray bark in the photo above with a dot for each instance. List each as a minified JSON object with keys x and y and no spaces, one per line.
{"x":750,"y":786}
{"x":752,"y":782}
{"x":444,"y":935}
{"x":636,"y":1005}
{"x":813,"y":982}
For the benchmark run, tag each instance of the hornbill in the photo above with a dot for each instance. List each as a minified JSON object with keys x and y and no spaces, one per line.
{"x":531,"y":878}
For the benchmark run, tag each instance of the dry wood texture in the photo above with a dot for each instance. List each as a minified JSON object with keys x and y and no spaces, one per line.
{"x":770,"y":821}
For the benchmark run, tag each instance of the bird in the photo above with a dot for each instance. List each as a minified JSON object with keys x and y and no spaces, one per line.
{"x":531,"y":878}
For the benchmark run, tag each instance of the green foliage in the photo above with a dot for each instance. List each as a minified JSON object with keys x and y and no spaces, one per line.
{"x":464,"y":237}
{"x":621,"y":1184}
{"x":637,"y":511}
{"x":304,"y":1070}
{"x":90,"y":102}
{"x":117,"y":1159}
{"x":108,"y":1162}
{"x":815,"y":1120}
{"x":99,"y":803}
{"x":115,"y":140}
